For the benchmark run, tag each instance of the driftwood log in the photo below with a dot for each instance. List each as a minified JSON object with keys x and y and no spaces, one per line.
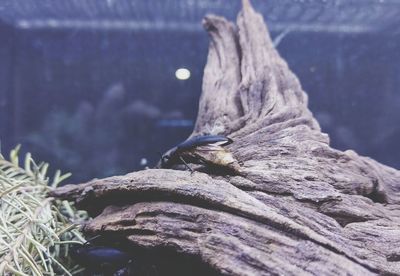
{"x":301,"y":207}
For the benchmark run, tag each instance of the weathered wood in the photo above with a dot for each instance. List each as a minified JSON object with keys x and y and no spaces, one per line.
{"x":300,"y":207}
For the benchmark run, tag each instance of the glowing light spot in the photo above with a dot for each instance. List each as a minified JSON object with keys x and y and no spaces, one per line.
{"x":182,"y":74}
{"x":143,"y":162}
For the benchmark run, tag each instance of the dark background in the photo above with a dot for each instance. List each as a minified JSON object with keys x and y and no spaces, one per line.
{"x":90,"y":86}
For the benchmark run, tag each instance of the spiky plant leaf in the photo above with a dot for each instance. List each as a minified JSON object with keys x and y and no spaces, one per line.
{"x":35,"y":231}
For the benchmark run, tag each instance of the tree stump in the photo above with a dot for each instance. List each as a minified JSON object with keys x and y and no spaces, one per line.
{"x":300,"y":207}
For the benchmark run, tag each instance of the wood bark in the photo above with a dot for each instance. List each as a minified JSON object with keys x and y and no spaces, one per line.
{"x":300,"y":208}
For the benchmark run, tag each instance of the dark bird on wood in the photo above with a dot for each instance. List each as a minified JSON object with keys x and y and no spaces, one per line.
{"x":206,"y":150}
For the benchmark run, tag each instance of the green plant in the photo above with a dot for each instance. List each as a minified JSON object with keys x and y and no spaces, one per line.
{"x":36,"y":232}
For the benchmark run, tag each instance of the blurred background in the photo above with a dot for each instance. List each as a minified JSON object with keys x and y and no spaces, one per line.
{"x":98,"y":87}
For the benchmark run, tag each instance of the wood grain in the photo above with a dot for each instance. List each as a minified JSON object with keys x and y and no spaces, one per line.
{"x":300,"y":208}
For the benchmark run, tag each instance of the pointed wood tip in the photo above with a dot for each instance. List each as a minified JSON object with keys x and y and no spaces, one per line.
{"x":246,"y":5}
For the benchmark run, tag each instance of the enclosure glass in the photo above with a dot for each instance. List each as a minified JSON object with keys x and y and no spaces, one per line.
{"x":100,"y":87}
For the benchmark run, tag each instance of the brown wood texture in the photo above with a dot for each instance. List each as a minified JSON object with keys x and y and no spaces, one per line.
{"x":300,"y":207}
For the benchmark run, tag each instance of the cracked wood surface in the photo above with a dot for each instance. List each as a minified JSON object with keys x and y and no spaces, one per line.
{"x":300,"y":207}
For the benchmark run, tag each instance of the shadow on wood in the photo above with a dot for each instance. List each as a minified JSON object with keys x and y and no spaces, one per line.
{"x":301,"y":208}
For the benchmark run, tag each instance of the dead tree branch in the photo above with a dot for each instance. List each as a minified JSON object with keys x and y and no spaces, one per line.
{"x":301,"y":207}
